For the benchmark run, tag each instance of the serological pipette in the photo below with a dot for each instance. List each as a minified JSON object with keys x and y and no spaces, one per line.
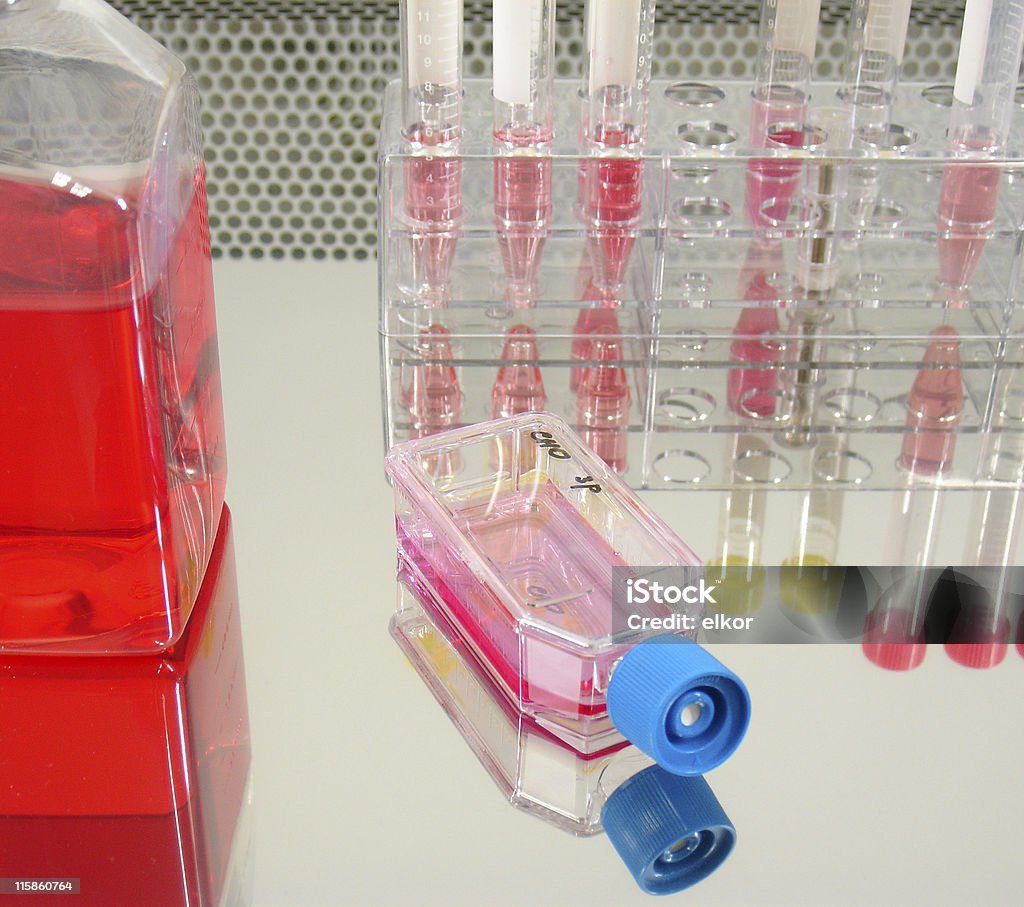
{"x":616,"y":86}
{"x":782,"y":88}
{"x":875,"y":41}
{"x":987,"y":68}
{"x":523,"y":130}
{"x":432,"y":121}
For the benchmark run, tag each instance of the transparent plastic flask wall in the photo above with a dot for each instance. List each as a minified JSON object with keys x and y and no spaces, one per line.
{"x":112,"y":464}
{"x":519,"y":548}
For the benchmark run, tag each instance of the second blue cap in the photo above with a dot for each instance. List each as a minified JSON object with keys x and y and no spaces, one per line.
{"x":678,"y":704}
{"x":671,"y":832}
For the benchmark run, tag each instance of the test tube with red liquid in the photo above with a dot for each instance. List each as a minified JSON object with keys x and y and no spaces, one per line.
{"x":433,"y":398}
{"x":755,"y":352}
{"x":597,"y":313}
{"x":894,"y":632}
{"x":934,"y":406}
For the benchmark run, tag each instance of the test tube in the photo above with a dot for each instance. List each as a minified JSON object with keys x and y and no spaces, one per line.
{"x":895,"y":633}
{"x":817,"y":270}
{"x":752,"y":393}
{"x":785,"y":50}
{"x":875,"y":40}
{"x":519,"y":385}
{"x":737,"y":565}
{"x":523,"y":128}
{"x":982,"y":634}
{"x":998,"y":519}
{"x":620,"y":43}
{"x":616,"y":86}
{"x":597,"y":314}
{"x":987,"y":68}
{"x":980,"y":637}
{"x":432,"y":121}
{"x":603,"y":400}
{"x":432,"y":70}
{"x":894,"y":630}
{"x":434,"y":397}
{"x":782,"y":87}
{"x":810,"y":583}
{"x":934,"y":406}
{"x":752,"y":383}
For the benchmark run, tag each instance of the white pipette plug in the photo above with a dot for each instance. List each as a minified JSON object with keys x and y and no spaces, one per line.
{"x":616,"y":84}
{"x":987,"y":68}
{"x":617,"y":74}
{"x":432,"y":70}
{"x":523,"y":70}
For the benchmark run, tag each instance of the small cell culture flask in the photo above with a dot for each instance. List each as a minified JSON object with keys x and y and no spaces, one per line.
{"x":532,"y":562}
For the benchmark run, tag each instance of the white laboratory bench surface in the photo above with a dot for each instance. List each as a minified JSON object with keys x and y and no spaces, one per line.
{"x":854,"y":786}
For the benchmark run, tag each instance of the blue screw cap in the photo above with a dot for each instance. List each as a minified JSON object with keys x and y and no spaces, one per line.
{"x":670,"y":831}
{"x":678,"y":704}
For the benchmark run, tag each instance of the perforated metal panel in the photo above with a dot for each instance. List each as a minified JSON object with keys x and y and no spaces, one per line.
{"x":291,"y":94}
{"x":707,"y":11}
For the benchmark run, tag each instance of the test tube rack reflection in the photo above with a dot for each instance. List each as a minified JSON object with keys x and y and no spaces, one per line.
{"x":712,"y":367}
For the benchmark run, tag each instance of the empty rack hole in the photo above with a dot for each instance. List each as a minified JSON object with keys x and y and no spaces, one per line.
{"x":686,"y":404}
{"x":681,"y":467}
{"x":694,"y":94}
{"x":706,"y":136}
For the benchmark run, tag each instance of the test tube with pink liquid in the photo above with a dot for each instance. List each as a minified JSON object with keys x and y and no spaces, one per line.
{"x":616,"y":85}
{"x":432,"y":127}
{"x":523,"y":130}
{"x":987,"y":68}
